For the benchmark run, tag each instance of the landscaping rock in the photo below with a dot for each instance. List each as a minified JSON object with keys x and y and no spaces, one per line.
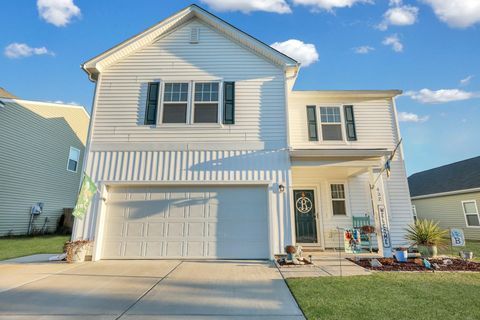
{"x":374,"y":263}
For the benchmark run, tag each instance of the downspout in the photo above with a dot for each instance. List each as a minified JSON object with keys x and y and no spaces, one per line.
{"x":75,"y":231}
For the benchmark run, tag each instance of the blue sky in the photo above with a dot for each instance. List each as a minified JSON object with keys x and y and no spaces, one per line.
{"x":423,"y":47}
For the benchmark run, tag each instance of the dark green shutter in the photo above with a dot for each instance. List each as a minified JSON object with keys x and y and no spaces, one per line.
{"x":152,"y":103}
{"x":312,"y":123}
{"x":229,"y":102}
{"x":350,"y":123}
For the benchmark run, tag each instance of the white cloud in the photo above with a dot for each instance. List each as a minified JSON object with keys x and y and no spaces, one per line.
{"x":72,"y":103}
{"x":21,"y":50}
{"x":394,"y":42}
{"x":246,"y":6}
{"x":305,"y":53}
{"x":329,"y":5}
{"x":400,"y":15}
{"x":411,"y":117}
{"x":58,"y":12}
{"x":456,"y":13}
{"x":363,"y":49}
{"x":466,"y":81}
{"x":440,"y":96}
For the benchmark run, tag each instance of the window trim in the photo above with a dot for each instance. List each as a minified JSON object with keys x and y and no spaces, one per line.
{"x":78,"y":160}
{"x":320,"y":140}
{"x":347,"y":198}
{"x":470,"y":214}
{"x":341,"y":123}
{"x":219,"y":103}
{"x":161,"y":102}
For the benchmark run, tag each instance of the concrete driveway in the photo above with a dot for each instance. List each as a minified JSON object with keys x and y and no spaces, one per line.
{"x":162,"y":289}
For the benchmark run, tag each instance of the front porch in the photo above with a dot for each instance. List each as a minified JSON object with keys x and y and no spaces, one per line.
{"x":328,"y":191}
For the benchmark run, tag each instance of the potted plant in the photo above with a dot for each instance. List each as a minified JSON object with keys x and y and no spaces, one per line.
{"x":76,"y":250}
{"x":427,"y":236}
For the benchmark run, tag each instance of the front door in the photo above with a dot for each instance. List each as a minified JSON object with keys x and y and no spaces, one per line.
{"x":305,"y":216}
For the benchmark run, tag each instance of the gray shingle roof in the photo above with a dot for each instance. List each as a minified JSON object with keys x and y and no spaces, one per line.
{"x":451,"y":177}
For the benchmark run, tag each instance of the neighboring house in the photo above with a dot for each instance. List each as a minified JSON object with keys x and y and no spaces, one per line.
{"x":41,"y":150}
{"x":201,"y":149}
{"x":449,"y":194}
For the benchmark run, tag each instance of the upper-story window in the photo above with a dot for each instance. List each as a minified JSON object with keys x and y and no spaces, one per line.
{"x":73,"y":158}
{"x":206,"y":103}
{"x":331,"y":122}
{"x":175,"y":102}
{"x":190,"y":102}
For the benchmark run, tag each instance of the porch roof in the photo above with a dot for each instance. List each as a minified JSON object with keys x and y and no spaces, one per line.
{"x":305,"y":154}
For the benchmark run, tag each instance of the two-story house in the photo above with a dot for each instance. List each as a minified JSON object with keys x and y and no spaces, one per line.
{"x":201,"y":149}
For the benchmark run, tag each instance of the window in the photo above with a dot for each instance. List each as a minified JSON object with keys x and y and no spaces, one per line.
{"x":414,"y":212}
{"x":73,"y":158}
{"x":331,"y":123}
{"x":471,"y":213}
{"x":175,"y":103}
{"x":312,"y":123}
{"x":338,"y":199}
{"x":152,"y":103}
{"x":206,"y":102}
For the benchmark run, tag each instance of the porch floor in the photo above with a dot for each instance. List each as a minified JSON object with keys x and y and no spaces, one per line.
{"x":328,"y":264}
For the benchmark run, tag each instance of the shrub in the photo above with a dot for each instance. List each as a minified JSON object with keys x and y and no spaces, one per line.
{"x":426,"y":233}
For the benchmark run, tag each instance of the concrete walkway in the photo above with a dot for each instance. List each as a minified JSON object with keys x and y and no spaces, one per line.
{"x":162,"y":289}
{"x":325,"y":265}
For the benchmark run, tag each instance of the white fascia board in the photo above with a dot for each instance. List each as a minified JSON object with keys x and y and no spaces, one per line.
{"x":448,"y":193}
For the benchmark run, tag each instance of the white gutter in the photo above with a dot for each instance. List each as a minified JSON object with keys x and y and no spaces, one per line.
{"x":448,"y":193}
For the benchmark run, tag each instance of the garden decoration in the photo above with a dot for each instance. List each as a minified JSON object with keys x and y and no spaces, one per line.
{"x":427,"y":236}
{"x":76,"y":250}
{"x":352,"y":240}
{"x":401,"y":254}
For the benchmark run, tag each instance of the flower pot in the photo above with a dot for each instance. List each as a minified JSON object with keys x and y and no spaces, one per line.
{"x":79,"y":255}
{"x":428,"y":251}
{"x":401,"y":255}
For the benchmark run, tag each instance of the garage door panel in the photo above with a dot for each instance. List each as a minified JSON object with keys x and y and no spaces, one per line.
{"x":176,"y":222}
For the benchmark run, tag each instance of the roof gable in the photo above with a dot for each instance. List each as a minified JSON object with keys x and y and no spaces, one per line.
{"x":95,"y":65}
{"x":456,"y":176}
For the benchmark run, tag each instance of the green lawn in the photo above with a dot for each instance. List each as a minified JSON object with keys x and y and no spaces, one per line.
{"x":390,"y":296}
{"x":13,"y":247}
{"x":473,"y":246}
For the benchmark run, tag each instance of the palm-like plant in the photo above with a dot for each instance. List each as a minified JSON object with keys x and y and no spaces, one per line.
{"x":426,"y":233}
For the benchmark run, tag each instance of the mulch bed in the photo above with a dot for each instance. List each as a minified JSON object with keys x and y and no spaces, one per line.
{"x":284,"y":263}
{"x":390,"y":264}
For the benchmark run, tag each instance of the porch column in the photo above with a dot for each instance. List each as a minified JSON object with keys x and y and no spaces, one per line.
{"x":382,"y":225}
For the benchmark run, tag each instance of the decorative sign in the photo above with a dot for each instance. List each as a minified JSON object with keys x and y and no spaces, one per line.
{"x":384,"y":229}
{"x":85,"y":197}
{"x":304,"y":204}
{"x":351,"y":240}
{"x":458,"y":238}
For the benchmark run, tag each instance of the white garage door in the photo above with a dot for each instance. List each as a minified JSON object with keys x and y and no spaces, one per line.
{"x":186,"y":222}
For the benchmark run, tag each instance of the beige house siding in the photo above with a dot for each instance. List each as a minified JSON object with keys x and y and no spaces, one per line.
{"x":448,"y":211}
{"x":35,"y":140}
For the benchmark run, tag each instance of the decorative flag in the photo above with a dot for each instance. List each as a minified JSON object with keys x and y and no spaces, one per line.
{"x":388,"y":168}
{"x":87,"y":191}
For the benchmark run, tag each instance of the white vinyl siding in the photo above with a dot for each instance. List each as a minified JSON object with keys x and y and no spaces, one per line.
{"x":259,"y":91}
{"x":374,"y":122}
